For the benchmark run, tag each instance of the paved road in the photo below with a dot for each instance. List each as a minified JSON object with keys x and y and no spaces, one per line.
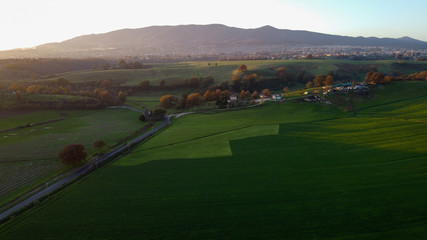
{"x":80,"y":172}
{"x":86,"y":168}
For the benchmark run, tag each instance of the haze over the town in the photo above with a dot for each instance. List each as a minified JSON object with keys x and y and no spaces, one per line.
{"x":27,"y":23}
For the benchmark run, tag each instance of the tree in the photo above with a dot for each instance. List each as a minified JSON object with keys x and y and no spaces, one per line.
{"x":142,"y":118}
{"x":162,"y":83}
{"x":194,"y":99}
{"x":96,"y":92}
{"x":73,"y":154}
{"x":63,"y":90}
{"x":387,"y":79}
{"x":158,"y":114}
{"x":99,"y":144}
{"x":319,"y":80}
{"x":17,"y":87}
{"x":245,"y":95}
{"x":255,"y":95}
{"x":106,"y":97}
{"x":34,"y":89}
{"x":122,"y":97}
{"x":266,"y":92}
{"x":242,"y":68}
{"x":223,"y":98}
{"x":168,"y":101}
{"x":329,"y":80}
{"x":374,"y":77}
{"x":249,"y":81}
{"x":210,"y":96}
{"x":309,"y":84}
{"x":182,"y":103}
{"x":286,"y":89}
{"x":144,"y":84}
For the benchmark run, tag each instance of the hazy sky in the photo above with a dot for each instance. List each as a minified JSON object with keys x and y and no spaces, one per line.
{"x":26,"y":23}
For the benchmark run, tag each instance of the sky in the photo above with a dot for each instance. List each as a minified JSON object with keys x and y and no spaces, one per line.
{"x":28,"y":23}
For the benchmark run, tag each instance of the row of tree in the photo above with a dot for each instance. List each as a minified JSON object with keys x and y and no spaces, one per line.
{"x":221,"y":97}
{"x":186,"y":101}
{"x":320,"y":80}
{"x":105,"y":93}
{"x":243,"y":80}
{"x":377,"y":77}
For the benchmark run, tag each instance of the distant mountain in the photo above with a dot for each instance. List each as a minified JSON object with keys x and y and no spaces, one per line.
{"x":199,"y":39}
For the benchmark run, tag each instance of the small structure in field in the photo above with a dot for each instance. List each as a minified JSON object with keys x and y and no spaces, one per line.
{"x":277,"y":97}
{"x":234,"y":97}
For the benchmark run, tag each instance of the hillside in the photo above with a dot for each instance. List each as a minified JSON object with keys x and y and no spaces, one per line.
{"x":199,"y":39}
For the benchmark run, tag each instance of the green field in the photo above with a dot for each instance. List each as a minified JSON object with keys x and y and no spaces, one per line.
{"x":279,"y":171}
{"x":223,"y":71}
{"x":29,"y":156}
{"x":151,"y":100}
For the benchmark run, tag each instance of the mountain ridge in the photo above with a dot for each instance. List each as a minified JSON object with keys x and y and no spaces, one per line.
{"x":201,"y":39}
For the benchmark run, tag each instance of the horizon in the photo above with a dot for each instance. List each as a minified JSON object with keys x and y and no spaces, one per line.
{"x":50,"y":21}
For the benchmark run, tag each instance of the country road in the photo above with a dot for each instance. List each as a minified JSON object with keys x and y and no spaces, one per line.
{"x":89,"y":167}
{"x":79,"y":173}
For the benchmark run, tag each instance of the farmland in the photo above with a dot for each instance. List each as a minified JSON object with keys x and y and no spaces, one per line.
{"x":79,"y":89}
{"x":29,"y":156}
{"x":293,"y":170}
{"x":223,"y":70}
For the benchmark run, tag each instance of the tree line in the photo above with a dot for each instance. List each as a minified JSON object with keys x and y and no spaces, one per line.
{"x":95,"y":94}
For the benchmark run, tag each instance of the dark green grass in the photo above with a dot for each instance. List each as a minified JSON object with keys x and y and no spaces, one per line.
{"x":323,"y":175}
{"x":110,"y":125}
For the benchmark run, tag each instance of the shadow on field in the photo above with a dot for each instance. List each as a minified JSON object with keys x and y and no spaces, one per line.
{"x":280,"y":186}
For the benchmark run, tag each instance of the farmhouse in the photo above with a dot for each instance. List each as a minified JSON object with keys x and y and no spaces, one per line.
{"x":234,"y":97}
{"x":347,"y":87}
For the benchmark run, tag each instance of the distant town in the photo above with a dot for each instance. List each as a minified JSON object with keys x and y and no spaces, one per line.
{"x":298,"y":52}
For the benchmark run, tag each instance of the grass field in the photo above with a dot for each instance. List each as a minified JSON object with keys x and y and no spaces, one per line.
{"x":29,"y":156}
{"x":41,"y":101}
{"x":152,"y":99}
{"x":223,"y":71}
{"x":278,"y":171}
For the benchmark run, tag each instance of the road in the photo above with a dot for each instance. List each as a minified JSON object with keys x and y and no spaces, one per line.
{"x":54,"y":187}
{"x":50,"y":189}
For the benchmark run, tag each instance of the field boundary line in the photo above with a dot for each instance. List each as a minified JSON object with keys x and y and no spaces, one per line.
{"x":31,"y":125}
{"x":205,"y":136}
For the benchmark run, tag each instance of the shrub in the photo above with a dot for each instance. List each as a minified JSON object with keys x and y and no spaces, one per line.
{"x":158,"y":114}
